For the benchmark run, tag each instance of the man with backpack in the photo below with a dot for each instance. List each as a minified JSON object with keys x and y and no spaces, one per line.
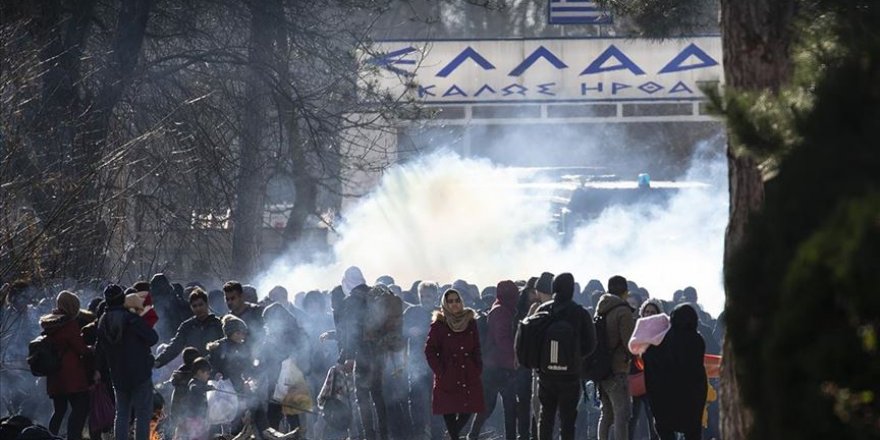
{"x":614,"y":326}
{"x":123,"y":345}
{"x":564,"y":332}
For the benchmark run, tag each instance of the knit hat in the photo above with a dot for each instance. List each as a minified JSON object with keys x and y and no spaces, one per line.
{"x":232,"y":324}
{"x":563,"y":287}
{"x":67,"y":302}
{"x":351,"y":279}
{"x":545,"y":283}
{"x":114,"y":295}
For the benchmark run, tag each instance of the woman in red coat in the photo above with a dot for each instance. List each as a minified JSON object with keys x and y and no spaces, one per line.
{"x":453,"y":352}
{"x":69,"y":385}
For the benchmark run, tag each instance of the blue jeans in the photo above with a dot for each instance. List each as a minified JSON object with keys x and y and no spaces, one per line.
{"x":140,"y":400}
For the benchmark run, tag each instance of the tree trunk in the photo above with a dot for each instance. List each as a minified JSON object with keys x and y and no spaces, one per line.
{"x":756,"y":37}
{"x":306,"y":200}
{"x":69,"y":131}
{"x":247,"y":213}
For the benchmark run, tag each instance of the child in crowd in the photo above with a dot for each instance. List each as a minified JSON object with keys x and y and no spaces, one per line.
{"x":180,"y":380}
{"x":139,"y":300}
{"x":194,"y":424}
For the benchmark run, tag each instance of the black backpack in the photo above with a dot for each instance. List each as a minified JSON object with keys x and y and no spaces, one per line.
{"x":561,"y":347}
{"x":597,"y":366}
{"x":42,"y":358}
{"x":530,"y":337}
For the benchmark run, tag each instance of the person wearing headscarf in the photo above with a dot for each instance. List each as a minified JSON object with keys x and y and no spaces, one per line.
{"x":453,"y":353}
{"x":676,"y":378}
{"x":68,"y":386}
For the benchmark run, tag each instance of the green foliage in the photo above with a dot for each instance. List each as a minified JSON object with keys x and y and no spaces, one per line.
{"x":764,"y":124}
{"x":761,"y":125}
{"x":803,"y":295}
{"x":661,"y":19}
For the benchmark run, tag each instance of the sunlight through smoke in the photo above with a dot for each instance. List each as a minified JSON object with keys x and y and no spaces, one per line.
{"x":444,"y":218}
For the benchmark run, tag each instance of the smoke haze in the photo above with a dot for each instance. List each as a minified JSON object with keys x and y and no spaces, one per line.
{"x":444,"y":217}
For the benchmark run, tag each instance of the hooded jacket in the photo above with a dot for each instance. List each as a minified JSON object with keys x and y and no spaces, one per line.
{"x":456,"y":361}
{"x":675,"y":376}
{"x":619,"y":324}
{"x":502,"y":323}
{"x":180,"y":382}
{"x":351,"y":279}
{"x":123,"y":346}
{"x":563,"y":306}
{"x":64,"y":335}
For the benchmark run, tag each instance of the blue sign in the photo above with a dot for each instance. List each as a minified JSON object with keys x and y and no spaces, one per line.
{"x":548,"y":70}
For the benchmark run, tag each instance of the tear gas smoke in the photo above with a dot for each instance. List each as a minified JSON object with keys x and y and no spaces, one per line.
{"x":444,"y":217}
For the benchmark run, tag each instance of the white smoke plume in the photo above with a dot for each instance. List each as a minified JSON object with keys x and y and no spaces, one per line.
{"x":444,"y":217}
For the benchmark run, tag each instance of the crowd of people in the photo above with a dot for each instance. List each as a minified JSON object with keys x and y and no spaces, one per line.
{"x":361,"y":361}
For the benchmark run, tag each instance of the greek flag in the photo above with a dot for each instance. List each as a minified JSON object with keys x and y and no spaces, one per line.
{"x":577,"y":12}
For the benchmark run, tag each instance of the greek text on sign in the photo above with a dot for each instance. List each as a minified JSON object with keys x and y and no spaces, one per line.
{"x":547,"y":70}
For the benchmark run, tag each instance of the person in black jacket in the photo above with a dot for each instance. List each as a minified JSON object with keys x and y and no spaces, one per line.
{"x":676,"y":378}
{"x":180,"y":379}
{"x":250,"y":313}
{"x":123,"y":345}
{"x":172,"y":309}
{"x":197,"y":331}
{"x":561,"y":392}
